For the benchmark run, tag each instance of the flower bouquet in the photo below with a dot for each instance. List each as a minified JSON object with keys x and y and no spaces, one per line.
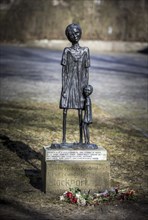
{"x":75,"y":196}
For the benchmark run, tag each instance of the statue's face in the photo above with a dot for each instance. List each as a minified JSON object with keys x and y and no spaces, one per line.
{"x":87,"y":91}
{"x":74,"y":35}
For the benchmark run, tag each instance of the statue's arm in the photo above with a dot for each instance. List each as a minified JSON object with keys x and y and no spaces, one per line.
{"x":64,"y":73}
{"x":64,"y":80}
{"x":87,"y":75}
{"x":87,"y":65}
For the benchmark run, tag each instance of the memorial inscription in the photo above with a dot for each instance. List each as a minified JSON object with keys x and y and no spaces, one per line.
{"x":76,"y":155}
{"x":90,"y":175}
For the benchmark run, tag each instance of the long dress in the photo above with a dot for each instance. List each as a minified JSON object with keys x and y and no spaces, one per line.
{"x":75,"y":76}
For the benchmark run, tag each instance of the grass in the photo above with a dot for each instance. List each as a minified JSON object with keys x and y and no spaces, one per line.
{"x":27,"y":127}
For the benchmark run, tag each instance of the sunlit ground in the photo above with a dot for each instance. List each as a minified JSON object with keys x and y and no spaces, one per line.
{"x":27,"y":127}
{"x":30,"y":119}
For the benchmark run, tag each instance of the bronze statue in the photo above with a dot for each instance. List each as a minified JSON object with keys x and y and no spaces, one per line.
{"x":75,"y":75}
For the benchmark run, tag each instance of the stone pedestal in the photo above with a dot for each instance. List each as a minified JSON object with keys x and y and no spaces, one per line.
{"x":87,"y":169}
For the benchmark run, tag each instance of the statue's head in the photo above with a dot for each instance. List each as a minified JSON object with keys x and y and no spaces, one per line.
{"x":87,"y":90}
{"x":73,"y":33}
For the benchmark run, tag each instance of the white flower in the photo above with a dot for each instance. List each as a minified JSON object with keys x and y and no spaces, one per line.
{"x":112,"y":190}
{"x":105,"y":192}
{"x":78,"y":195}
{"x":101,"y":194}
{"x":65,"y":193}
{"x":97,"y":194}
{"x":62,"y":198}
{"x":81,"y":201}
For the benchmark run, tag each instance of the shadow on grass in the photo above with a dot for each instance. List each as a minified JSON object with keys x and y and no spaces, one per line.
{"x":22,"y":150}
{"x":35,"y":178}
{"x":25,"y":152}
{"x":10,"y":209}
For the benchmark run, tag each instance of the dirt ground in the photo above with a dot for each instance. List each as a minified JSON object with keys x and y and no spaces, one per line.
{"x":27,"y":127}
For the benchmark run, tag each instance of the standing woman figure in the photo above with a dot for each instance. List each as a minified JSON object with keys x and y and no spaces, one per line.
{"x":75,"y":75}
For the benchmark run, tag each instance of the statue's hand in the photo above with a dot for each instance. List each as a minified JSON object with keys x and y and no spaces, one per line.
{"x":64,"y":94}
{"x":82,"y":99}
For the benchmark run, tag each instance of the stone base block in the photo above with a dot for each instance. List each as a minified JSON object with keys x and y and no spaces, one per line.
{"x":60,"y":175}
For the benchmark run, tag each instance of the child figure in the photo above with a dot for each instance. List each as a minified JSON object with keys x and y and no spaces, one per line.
{"x":87,"y":91}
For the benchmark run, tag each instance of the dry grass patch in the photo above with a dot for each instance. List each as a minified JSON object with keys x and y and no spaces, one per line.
{"x":27,"y":127}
